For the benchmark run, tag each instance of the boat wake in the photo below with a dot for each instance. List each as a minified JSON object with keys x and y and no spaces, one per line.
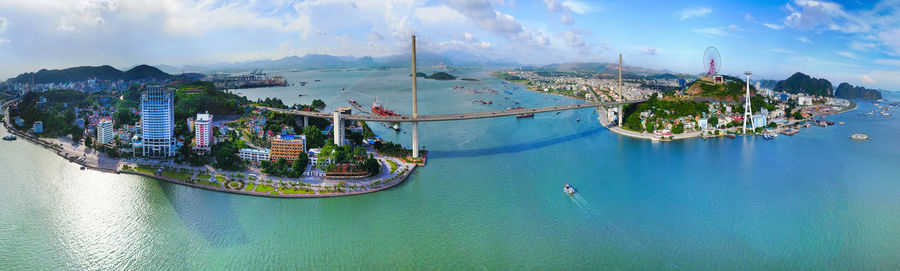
{"x":582,"y":203}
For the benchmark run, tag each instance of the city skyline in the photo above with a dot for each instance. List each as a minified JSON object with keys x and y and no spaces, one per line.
{"x":850,"y":42}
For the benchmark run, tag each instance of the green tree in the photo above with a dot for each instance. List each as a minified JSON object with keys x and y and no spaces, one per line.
{"x":314,"y":137}
{"x":712,"y":121}
{"x":88,"y":141}
{"x":318,"y":104}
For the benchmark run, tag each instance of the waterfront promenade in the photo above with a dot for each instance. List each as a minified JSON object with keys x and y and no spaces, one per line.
{"x":251,"y":182}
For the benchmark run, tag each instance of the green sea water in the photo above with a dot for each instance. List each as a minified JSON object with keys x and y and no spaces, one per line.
{"x":490,"y":198}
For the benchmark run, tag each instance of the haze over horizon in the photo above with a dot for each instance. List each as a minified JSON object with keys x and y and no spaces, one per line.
{"x":841,"y":42}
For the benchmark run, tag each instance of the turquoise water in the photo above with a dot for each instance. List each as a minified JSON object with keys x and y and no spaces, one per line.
{"x":490,"y":198}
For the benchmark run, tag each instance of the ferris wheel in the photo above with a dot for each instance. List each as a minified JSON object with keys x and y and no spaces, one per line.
{"x":712,"y":62}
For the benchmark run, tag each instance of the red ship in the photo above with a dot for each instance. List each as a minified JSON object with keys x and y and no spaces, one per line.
{"x":381,"y":111}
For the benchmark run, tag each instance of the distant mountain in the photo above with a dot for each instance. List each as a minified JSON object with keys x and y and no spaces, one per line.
{"x":145,"y":72}
{"x":767,"y":83}
{"x":802,"y":83}
{"x":848,"y":91}
{"x":82,"y":73}
{"x":424,"y":60}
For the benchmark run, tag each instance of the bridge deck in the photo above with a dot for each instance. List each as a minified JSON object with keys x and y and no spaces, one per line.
{"x":451,"y":117}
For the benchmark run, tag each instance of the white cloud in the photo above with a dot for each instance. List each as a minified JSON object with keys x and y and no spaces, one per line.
{"x":580,"y":7}
{"x":803,"y":39}
{"x":890,"y":62}
{"x":774,"y":26}
{"x":866,"y":79}
{"x":688,"y":13}
{"x":565,"y":13}
{"x":575,"y":41}
{"x":814,"y":14}
{"x":782,"y":51}
{"x":863,"y":46}
{"x":2,"y":41}
{"x":848,"y":55}
{"x":712,"y":32}
{"x":650,"y":51}
{"x":3,"y":23}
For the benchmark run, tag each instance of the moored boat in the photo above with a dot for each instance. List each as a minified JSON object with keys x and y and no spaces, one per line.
{"x":9,"y":137}
{"x":529,"y":115}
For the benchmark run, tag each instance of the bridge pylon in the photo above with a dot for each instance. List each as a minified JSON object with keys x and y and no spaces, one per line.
{"x":415,"y":105}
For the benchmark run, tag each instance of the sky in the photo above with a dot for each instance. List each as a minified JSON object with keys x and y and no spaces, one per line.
{"x":856,"y":42}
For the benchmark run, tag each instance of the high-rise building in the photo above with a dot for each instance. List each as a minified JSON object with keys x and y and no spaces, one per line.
{"x":203,"y":135}
{"x":288,"y":147}
{"x":105,"y":133}
{"x":158,"y":122}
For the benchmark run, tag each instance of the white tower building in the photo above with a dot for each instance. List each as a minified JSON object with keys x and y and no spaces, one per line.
{"x":105,"y":133}
{"x":158,"y":121}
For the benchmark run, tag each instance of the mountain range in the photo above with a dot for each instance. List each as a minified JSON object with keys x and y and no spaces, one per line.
{"x":320,"y":61}
{"x":82,"y":73}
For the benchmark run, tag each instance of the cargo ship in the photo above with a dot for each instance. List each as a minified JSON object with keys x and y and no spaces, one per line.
{"x":378,"y":109}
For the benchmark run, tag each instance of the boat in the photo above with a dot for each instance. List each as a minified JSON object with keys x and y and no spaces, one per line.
{"x":378,"y":109}
{"x":342,"y":88}
{"x":529,"y":115}
{"x":828,"y":122}
{"x":654,"y":138}
{"x":507,"y":92}
{"x":457,"y":87}
{"x":9,"y":137}
{"x":841,"y":122}
{"x":568,"y":189}
{"x":299,"y":95}
{"x":768,"y":136}
{"x":886,"y":114}
{"x":859,"y":136}
{"x":730,"y":135}
{"x":82,"y":167}
{"x":515,"y":108}
{"x":302,"y":83}
{"x":396,"y":127}
{"x":578,"y":120}
{"x":557,"y":112}
{"x":482,"y":102}
{"x":317,"y":80}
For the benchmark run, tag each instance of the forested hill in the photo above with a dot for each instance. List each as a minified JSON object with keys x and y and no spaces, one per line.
{"x":105,"y":72}
{"x":848,"y":91}
{"x":802,"y":83}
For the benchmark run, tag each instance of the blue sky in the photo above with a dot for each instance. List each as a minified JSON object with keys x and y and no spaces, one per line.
{"x":857,"y":42}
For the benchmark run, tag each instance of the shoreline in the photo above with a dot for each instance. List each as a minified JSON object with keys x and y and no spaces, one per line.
{"x":398,"y":178}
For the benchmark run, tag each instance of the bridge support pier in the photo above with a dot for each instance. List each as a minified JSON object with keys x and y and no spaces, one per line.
{"x":338,"y":129}
{"x":415,"y":139}
{"x":305,"y":121}
{"x":621,"y":114}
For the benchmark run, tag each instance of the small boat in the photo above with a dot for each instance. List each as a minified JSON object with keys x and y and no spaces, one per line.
{"x":529,"y":115}
{"x":342,"y":88}
{"x":299,"y":95}
{"x":507,"y":92}
{"x":9,"y":137}
{"x":482,"y":102}
{"x":859,"y":136}
{"x":396,"y":127}
{"x":768,"y":136}
{"x":557,"y":112}
{"x":82,"y":167}
{"x":841,"y":122}
{"x":317,"y":80}
{"x":730,"y":135}
{"x":578,"y":120}
{"x":568,"y":189}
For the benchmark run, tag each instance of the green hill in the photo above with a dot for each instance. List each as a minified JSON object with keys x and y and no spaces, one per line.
{"x":441,"y":76}
{"x":848,"y":91}
{"x":802,"y":83}
{"x":83,"y":73}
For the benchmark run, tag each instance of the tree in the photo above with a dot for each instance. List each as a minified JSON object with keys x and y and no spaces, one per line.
{"x":713,"y":121}
{"x":318,"y":104}
{"x":299,"y":165}
{"x":678,"y":129}
{"x":314,"y":137}
{"x":797,"y":115}
{"x":88,"y":141}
